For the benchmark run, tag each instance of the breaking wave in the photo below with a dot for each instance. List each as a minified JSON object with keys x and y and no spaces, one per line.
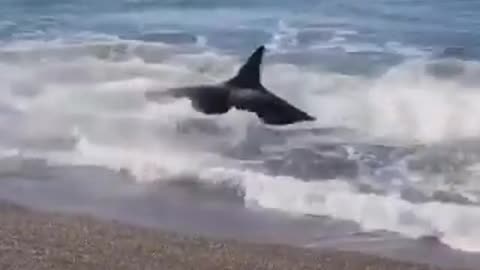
{"x":85,"y":104}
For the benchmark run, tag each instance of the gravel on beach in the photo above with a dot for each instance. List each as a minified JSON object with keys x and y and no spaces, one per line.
{"x":31,"y":240}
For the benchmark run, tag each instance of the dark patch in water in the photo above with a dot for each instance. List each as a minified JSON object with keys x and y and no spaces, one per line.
{"x":413,"y":195}
{"x":168,"y":37}
{"x":431,"y":240}
{"x":457,"y":52}
{"x":310,"y":37}
{"x":450,"y":197}
{"x":205,"y":126}
{"x":446,"y":69}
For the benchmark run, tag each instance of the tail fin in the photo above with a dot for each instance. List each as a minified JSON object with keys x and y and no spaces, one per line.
{"x":249,"y":74}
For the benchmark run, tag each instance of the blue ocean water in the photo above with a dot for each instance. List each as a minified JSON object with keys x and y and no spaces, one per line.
{"x":380,"y":29}
{"x":393,"y":84}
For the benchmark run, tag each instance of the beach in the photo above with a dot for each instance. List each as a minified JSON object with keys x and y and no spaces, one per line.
{"x":46,"y":240}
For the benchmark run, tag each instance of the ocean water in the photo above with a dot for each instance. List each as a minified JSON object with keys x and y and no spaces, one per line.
{"x":394,"y":85}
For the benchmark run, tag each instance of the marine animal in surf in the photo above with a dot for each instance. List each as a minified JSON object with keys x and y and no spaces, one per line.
{"x":244,"y":91}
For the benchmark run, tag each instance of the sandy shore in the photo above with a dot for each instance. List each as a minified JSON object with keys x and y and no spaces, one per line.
{"x":33,"y":240}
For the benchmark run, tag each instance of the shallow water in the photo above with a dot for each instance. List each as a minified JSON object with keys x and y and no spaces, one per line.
{"x":393,"y":84}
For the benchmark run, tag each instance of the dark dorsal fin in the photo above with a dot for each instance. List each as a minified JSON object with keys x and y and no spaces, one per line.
{"x":248,"y":75}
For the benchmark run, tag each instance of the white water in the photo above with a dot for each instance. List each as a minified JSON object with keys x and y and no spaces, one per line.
{"x":90,"y":98}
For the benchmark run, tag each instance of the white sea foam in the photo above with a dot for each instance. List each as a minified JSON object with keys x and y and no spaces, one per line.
{"x":455,"y":225}
{"x":98,"y":103}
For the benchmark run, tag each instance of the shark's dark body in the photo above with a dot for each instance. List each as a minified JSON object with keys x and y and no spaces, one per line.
{"x":243,"y":92}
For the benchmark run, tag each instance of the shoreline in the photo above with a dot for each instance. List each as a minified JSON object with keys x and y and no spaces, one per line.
{"x":33,"y":239}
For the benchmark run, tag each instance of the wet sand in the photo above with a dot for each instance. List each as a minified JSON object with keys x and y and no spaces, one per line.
{"x":39,"y":240}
